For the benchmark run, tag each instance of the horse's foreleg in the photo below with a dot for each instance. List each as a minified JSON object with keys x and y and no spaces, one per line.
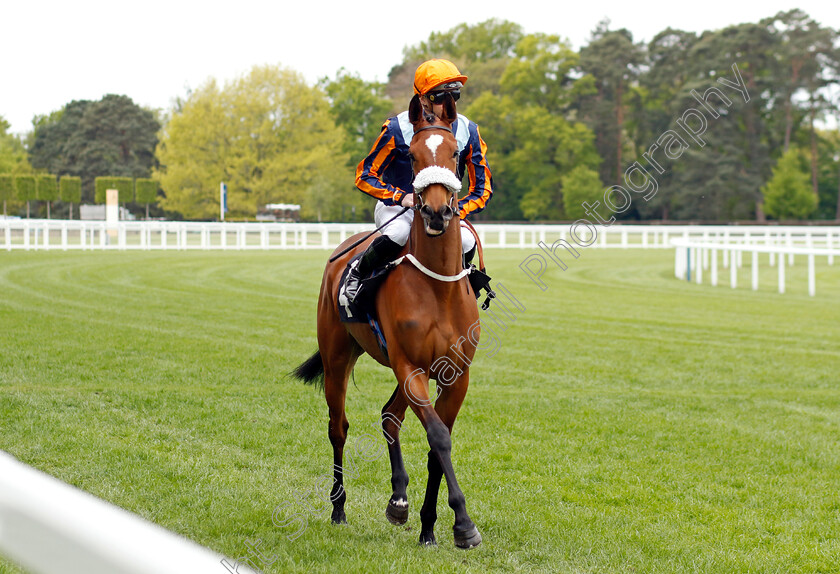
{"x":438,"y":423}
{"x":428,"y":514}
{"x":393,"y":414}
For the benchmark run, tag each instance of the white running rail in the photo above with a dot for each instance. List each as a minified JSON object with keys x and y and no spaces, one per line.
{"x":43,"y":234}
{"x":697,"y":256}
{"x":50,"y":527}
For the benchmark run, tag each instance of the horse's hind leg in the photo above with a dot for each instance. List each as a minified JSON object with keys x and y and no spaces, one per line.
{"x":393,"y":414}
{"x":339,"y":356}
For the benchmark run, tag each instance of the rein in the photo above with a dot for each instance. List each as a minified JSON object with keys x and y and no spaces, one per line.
{"x":428,"y":272}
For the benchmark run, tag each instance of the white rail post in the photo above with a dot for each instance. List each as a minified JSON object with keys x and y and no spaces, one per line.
{"x":726,"y":251}
{"x":701,"y":256}
{"x":714,"y":268}
{"x":781,"y":273}
{"x":790,"y":244}
{"x":828,"y":242}
{"x":812,"y":283}
{"x":677,"y":257}
{"x":733,"y":271}
{"x":755,"y":270}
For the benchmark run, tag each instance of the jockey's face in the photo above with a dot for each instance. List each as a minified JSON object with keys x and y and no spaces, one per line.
{"x":436,"y":108}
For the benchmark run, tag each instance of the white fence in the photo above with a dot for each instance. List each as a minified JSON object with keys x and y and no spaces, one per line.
{"x":37,"y":234}
{"x":49,"y":527}
{"x":697,"y":256}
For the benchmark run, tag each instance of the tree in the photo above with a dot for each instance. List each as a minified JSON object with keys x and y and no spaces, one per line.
{"x":123,"y":185}
{"x":360,"y":108}
{"x":481,"y":51}
{"x":112,"y":136}
{"x":543,"y":73}
{"x":659,"y":99}
{"x":613,"y":60}
{"x":146,"y":191}
{"x":581,"y":185}
{"x":7,"y":189}
{"x":70,"y":190}
{"x":788,"y":193}
{"x":529,"y":151}
{"x":722,"y":178}
{"x":25,"y":190}
{"x":12,"y":153}
{"x":46,"y":189}
{"x":267,"y":134}
{"x":805,"y":48}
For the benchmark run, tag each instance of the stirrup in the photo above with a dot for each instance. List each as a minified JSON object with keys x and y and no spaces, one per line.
{"x":479,"y":280}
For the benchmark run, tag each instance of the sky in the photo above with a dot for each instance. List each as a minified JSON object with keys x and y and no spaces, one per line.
{"x":155,"y":51}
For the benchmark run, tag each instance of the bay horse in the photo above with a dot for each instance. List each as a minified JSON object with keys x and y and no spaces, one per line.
{"x":430,"y":325}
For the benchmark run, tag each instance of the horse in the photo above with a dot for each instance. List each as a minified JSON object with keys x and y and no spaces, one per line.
{"x":429,"y":318}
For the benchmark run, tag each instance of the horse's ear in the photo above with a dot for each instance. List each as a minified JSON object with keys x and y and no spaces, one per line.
{"x":450,"y":112}
{"x":415,"y":109}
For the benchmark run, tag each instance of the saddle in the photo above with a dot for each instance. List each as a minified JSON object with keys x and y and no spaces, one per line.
{"x":363,"y":308}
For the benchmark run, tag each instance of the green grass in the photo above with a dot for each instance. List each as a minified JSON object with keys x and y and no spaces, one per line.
{"x":629,"y":422}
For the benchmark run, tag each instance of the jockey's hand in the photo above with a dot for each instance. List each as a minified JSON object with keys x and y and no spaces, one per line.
{"x":408,"y":200}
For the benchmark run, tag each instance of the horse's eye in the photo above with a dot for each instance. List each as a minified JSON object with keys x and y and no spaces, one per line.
{"x":455,"y":155}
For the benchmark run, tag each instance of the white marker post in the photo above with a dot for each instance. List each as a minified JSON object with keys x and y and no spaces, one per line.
{"x":223,"y":199}
{"x":112,"y":212}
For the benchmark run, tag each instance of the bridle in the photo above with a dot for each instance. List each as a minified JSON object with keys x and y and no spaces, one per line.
{"x":417,"y":206}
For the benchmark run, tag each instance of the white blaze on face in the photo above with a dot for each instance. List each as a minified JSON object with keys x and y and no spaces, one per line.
{"x":432,"y":142}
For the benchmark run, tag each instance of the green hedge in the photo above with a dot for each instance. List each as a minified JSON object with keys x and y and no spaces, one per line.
{"x":46,"y":187}
{"x":70,"y":189}
{"x":125,"y":185}
{"x":7,"y":187}
{"x":25,"y":187}
{"x":145,"y":190}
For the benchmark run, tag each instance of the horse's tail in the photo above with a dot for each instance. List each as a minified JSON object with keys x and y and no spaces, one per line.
{"x":311,"y":371}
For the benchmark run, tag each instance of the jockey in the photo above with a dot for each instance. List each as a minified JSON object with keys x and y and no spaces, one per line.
{"x":386,"y":172}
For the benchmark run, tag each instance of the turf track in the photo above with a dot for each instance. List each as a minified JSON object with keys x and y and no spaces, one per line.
{"x":628,"y":422}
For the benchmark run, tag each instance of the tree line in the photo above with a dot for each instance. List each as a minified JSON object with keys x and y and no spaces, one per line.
{"x":563,"y":128}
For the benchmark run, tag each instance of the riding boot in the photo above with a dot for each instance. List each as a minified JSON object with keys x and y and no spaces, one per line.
{"x":469,"y":255}
{"x":381,"y":251}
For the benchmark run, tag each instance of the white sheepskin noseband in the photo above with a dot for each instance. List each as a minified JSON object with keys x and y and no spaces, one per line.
{"x":436,"y":174}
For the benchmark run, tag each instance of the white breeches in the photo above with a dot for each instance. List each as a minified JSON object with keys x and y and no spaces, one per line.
{"x":398,"y":230}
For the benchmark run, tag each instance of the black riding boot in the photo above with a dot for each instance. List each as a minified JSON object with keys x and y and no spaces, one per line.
{"x":469,"y":255}
{"x":381,"y":251}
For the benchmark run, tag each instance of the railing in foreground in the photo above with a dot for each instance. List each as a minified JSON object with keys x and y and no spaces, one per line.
{"x":697,"y":256}
{"x":50,"y":527}
{"x":37,"y":234}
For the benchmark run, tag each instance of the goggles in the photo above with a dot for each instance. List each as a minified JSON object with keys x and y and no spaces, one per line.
{"x":439,"y":96}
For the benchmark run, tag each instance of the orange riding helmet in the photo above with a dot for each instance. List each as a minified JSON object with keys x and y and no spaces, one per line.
{"x":435,"y":73}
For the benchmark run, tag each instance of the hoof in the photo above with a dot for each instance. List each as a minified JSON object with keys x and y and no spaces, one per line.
{"x":338,"y":517}
{"x":469,"y":539}
{"x":397,"y":513}
{"x":427,"y":539}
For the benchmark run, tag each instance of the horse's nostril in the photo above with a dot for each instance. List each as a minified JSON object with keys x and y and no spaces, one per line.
{"x":427,"y":212}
